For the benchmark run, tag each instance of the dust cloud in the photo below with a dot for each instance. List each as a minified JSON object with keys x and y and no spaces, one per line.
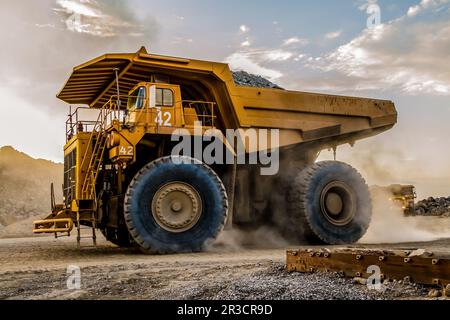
{"x":389,"y":225}
{"x":383,"y":164}
{"x":235,"y":240}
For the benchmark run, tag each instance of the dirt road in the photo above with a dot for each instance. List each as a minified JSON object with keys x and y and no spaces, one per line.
{"x":36,"y":268}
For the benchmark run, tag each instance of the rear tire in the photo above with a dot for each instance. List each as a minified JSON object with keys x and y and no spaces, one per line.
{"x":175,"y":204}
{"x":331,"y":202}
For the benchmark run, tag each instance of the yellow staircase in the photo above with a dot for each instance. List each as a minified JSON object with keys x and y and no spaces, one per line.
{"x":97,"y":142}
{"x":63,"y":220}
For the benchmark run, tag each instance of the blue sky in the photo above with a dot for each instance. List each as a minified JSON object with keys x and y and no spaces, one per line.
{"x":321,"y":46}
{"x":203,"y":19}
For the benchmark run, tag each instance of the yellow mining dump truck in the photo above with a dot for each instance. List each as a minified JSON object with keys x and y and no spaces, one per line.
{"x":402,"y":195}
{"x":248,"y":156}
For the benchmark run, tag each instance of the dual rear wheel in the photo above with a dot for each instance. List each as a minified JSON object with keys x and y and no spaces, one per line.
{"x":178,"y":204}
{"x":331,"y":201}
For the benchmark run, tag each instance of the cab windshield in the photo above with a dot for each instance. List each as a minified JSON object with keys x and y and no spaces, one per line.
{"x":136,"y":100}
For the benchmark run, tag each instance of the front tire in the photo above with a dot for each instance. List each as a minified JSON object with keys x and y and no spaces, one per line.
{"x":175,"y":204}
{"x":332,"y":202}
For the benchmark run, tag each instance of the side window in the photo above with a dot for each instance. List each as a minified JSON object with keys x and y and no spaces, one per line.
{"x":140,"y":98}
{"x":136,"y":99}
{"x":164,"y":97}
{"x":159,"y":97}
{"x":168,"y":98}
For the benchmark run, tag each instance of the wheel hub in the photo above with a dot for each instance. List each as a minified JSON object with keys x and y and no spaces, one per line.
{"x":177,"y":207}
{"x":338,"y":203}
{"x":333,"y":203}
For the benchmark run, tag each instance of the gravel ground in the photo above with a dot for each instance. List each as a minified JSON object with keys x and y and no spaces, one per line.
{"x":36,"y":268}
{"x":268,"y":282}
{"x":273,"y":283}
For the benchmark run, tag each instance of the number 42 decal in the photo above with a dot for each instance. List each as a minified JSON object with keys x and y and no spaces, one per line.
{"x":164,"y":119}
{"x":126,"y":151}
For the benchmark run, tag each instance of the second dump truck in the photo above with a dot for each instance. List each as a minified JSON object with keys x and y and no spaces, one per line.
{"x":126,"y":175}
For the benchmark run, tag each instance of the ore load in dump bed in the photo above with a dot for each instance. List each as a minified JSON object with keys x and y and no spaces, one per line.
{"x":242,"y":78}
{"x":122,"y":178}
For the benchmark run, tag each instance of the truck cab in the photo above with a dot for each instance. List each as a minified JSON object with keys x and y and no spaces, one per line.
{"x":161,"y":105}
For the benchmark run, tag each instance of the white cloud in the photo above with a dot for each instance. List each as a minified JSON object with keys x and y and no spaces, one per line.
{"x":83,"y":8}
{"x":246,"y":61}
{"x":244,"y":29}
{"x":425,"y":4}
{"x":90,"y":17}
{"x":405,"y":54}
{"x":412,"y":11}
{"x":277,"y":55}
{"x":333,"y":35}
{"x":300,"y":57}
{"x":264,"y":62}
{"x":295,"y":40}
{"x":246,"y":43}
{"x":363,"y":5}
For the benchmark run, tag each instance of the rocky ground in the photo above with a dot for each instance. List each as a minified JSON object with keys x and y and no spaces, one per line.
{"x":37,"y":269}
{"x":25,"y":190}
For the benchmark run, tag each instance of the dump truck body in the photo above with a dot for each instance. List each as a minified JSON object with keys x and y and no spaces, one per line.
{"x":127,"y":153}
{"x":303,"y":117}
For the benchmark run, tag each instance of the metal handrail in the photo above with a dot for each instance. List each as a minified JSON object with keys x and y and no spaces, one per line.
{"x":73,"y":122}
{"x":111,"y":111}
{"x":210,"y":105}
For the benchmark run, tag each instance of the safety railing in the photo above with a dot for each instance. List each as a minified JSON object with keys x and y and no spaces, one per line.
{"x":77,"y":123}
{"x":84,"y":119}
{"x":204,"y":112}
{"x":97,"y":143}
